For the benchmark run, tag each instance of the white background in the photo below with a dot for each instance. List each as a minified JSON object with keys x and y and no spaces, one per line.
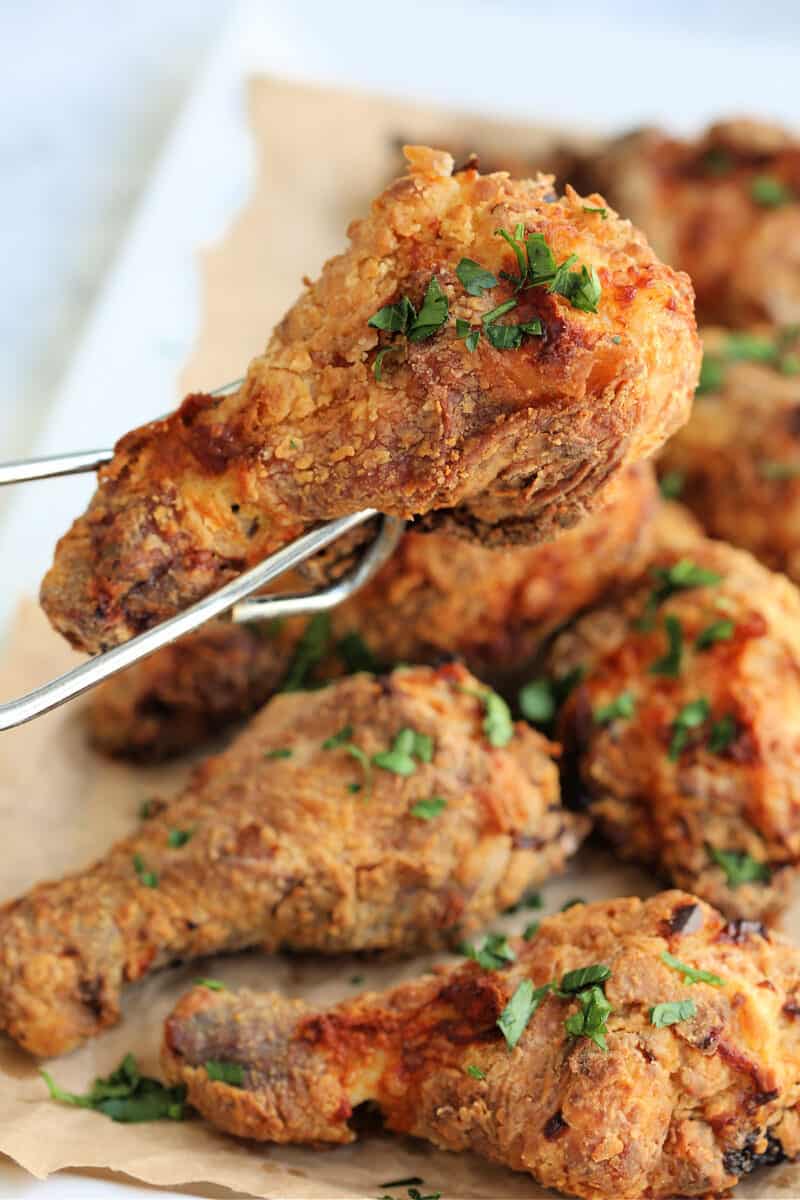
{"x":122,"y":147}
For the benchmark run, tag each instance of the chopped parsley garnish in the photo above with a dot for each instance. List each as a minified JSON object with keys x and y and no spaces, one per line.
{"x":280,"y":752}
{"x":722,"y":734}
{"x":770,"y":192}
{"x":529,"y":900}
{"x":680,"y":577}
{"x":591,"y":209}
{"x":394,"y":318}
{"x":572,"y":902}
{"x":623,"y":706}
{"x":672,"y":1013}
{"x":717,"y":631}
{"x":497,"y":723}
{"x":692,"y":974}
{"x":670,"y":663}
{"x":179,"y":837}
{"x":407,"y":746}
{"x":470,"y":335}
{"x":583,"y":977}
{"x":493,"y":953}
{"x":213,"y":985}
{"x":741,"y":346}
{"x":474,"y":278}
{"x":712,"y":374}
{"x":739,"y":867}
{"x":432,"y":316}
{"x":147,"y":809}
{"x":690,"y":716}
{"x":531,"y":930}
{"x":537,"y":701}
{"x":426,"y":810}
{"x":749,"y":347}
{"x":225,"y":1072}
{"x":403,"y":318}
{"x":590,"y":1019}
{"x":671,"y":484}
{"x":377,"y":365}
{"x":495,"y":313}
{"x":356,"y":981}
{"x":537,"y":268}
{"x":519,"y":1010}
{"x":717,"y":161}
{"x":126,"y":1095}
{"x":412,"y":1181}
{"x":146,"y":878}
{"x":341,"y":741}
{"x":310,"y":650}
{"x":475,"y":1072}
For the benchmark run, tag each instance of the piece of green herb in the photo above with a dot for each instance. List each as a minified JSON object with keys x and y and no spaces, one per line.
{"x":497,"y":723}
{"x":213,"y":985}
{"x":571,"y":903}
{"x":146,"y":878}
{"x":470,"y":334}
{"x":412,"y":1181}
{"x":672,"y":1013}
{"x":356,"y":980}
{"x":490,"y":317}
{"x":537,"y":268}
{"x":671,"y":484}
{"x":426,"y":810}
{"x":279,"y":752}
{"x":354,"y":787}
{"x":475,"y":1072}
{"x":582,"y":288}
{"x":309,"y":651}
{"x":147,"y":809}
{"x":591,"y":209}
{"x":742,"y":346}
{"x":722,"y":734}
{"x":514,"y":1018}
{"x":356,"y":655}
{"x":739,"y":867}
{"x":394,"y":318}
{"x":537,"y":701}
{"x":529,"y":900}
{"x":431,"y":316}
{"x":341,"y":741}
{"x":126,"y":1095}
{"x":519,"y":252}
{"x":670,"y":663}
{"x":583,"y":977}
{"x":717,"y":161}
{"x":712,"y":374}
{"x":531,"y":930}
{"x":620,"y":708}
{"x":377,"y":364}
{"x":690,"y":716}
{"x":407,"y":746}
{"x":338,"y":739}
{"x":179,"y":837}
{"x":590,"y":1019}
{"x":541,"y":261}
{"x":474,"y":278}
{"x":493,"y":953}
{"x":225,"y":1072}
{"x":789,"y":364}
{"x":680,"y":577}
{"x":717,"y":631}
{"x":770,"y":192}
{"x":693,"y":974}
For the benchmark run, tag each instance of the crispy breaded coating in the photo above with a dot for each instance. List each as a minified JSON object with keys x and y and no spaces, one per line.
{"x":681,"y":732}
{"x":298,"y":836}
{"x":724,"y":207}
{"x":504,"y":444}
{"x":438,"y":596}
{"x":680,"y":1109}
{"x":737,"y":462}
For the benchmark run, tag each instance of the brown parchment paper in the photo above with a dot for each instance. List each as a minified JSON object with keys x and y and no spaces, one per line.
{"x":321,"y":155}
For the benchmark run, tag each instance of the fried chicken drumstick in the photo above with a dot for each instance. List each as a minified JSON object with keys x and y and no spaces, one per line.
{"x":379,"y":813}
{"x":437,"y":596}
{"x":680,"y":733}
{"x":632,"y":1049}
{"x":523,"y":349}
{"x":737,"y":462}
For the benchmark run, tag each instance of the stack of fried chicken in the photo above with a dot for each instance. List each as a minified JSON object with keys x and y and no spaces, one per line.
{"x":496,"y":364}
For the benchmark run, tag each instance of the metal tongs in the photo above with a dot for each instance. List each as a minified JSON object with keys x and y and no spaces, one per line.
{"x":235,"y":596}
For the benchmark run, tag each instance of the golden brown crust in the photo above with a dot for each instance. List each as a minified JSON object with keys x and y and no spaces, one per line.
{"x":283,"y":852}
{"x":438,"y":596}
{"x":695,"y":201}
{"x":684,"y":1109}
{"x":508,"y":445}
{"x":738,"y":459}
{"x":735,"y":784}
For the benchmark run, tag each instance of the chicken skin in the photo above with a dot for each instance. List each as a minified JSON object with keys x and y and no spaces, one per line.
{"x":737,"y":463}
{"x":456,"y":360}
{"x":392,"y":813}
{"x":631,"y":1049}
{"x":725,"y":208}
{"x":680,"y":733}
{"x":437,"y":596}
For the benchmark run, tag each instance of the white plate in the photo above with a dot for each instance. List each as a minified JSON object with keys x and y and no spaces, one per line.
{"x":509,"y":58}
